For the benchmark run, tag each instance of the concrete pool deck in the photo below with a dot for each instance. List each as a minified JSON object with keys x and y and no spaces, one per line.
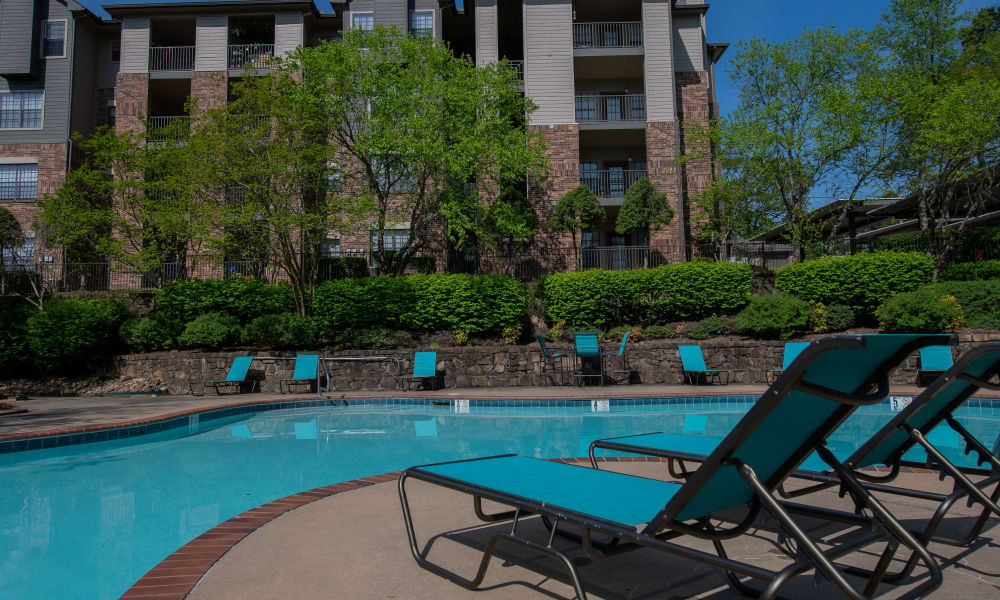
{"x":353,"y":545}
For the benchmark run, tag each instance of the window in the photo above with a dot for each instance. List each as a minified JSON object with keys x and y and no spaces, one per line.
{"x":331,"y":247}
{"x":333,"y":177}
{"x":54,"y":39}
{"x":586,"y":108}
{"x":116,"y":51}
{"x":21,"y":110}
{"x":18,"y":182}
{"x":589,"y":175}
{"x":363,"y":21}
{"x":111,"y":115}
{"x":393,"y":175}
{"x":393,"y":239}
{"x":21,"y":257}
{"x":422,"y":23}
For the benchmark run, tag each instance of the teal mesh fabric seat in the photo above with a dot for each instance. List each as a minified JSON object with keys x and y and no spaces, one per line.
{"x":306,"y":372}
{"x":694,"y":368}
{"x":741,"y":471}
{"x":555,"y":358}
{"x":934,"y":361}
{"x":424,"y":368}
{"x":588,"y":354}
{"x":791,"y":352}
{"x":626,"y":371}
{"x":236,"y":377}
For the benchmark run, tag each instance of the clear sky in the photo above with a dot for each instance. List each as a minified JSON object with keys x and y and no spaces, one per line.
{"x":777,"y":20}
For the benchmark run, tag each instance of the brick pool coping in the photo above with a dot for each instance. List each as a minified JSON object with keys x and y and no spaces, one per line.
{"x":176,"y":575}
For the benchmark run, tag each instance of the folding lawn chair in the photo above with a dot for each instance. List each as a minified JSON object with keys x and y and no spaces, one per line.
{"x":236,"y":377}
{"x":424,"y":368}
{"x":693,"y":365}
{"x":306,"y":372}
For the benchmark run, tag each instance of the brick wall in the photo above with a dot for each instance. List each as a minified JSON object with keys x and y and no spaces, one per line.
{"x":105,"y":97}
{"x":210,"y":88}
{"x":694,"y":108}
{"x":661,"y":152}
{"x":51,"y":160}
{"x":131,"y":101}
{"x":563,"y":150}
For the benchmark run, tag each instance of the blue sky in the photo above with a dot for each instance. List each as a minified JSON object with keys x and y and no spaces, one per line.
{"x":778,"y":20}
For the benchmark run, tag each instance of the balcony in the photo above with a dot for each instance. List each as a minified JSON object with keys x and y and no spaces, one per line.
{"x":618,"y":258}
{"x":611,"y":183}
{"x":608,"y":37}
{"x":250,"y":56}
{"x":169,"y":128}
{"x":624,"y":111}
{"x":171,"y":58}
{"x":517,"y":66}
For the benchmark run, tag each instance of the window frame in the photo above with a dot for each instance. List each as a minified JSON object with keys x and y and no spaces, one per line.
{"x":433,"y":29}
{"x":359,"y":13}
{"x":41,"y":118}
{"x":43,"y":38}
{"x":17,"y":183}
{"x":116,"y":46}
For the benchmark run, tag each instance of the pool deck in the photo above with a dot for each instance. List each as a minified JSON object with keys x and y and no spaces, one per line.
{"x":68,"y":415}
{"x":302,"y":553}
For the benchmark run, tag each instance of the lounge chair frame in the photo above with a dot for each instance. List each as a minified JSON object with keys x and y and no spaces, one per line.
{"x":578,"y":373}
{"x":663,"y":528}
{"x":406,"y":380}
{"x":626,"y":370}
{"x":254,"y":383}
{"x":546,"y":354}
{"x":288,"y":383}
{"x":693,"y":377}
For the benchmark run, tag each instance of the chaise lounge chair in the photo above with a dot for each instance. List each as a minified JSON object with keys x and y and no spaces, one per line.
{"x":934,"y":361}
{"x":792,"y":349}
{"x":424,"y":368}
{"x":789,"y":422}
{"x":693,"y":364}
{"x":916,"y":427}
{"x":236,"y":377}
{"x":306,"y":372}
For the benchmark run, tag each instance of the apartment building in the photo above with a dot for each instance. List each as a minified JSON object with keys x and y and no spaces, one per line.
{"x":58,"y":63}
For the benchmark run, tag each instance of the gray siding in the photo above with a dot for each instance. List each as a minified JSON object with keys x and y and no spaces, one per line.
{"x":659,"y":65}
{"x":211,"y":43}
{"x":288,"y":32}
{"x":107,"y":70}
{"x":689,"y":43}
{"x":19,"y":36}
{"x":391,"y":12}
{"x":548,"y":47}
{"x":487,"y":44}
{"x":83,"y":113}
{"x":135,"y":45}
{"x":357,"y":6}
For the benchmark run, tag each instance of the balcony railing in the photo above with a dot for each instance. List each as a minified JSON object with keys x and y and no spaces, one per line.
{"x":250,"y":56}
{"x":161,"y":130}
{"x":611,"y":183}
{"x":518,"y":67}
{"x":171,"y":58}
{"x":608,"y":34}
{"x":603,"y":109}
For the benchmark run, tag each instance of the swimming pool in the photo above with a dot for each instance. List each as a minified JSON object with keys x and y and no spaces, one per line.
{"x":87,"y":520}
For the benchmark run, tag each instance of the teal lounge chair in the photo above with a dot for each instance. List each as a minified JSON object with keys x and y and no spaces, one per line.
{"x":623,"y":354}
{"x":306,"y":372}
{"x":934,"y":361}
{"x":424,"y":368}
{"x":926,"y":427}
{"x":588,"y":348}
{"x":792,"y":350}
{"x":693,"y":365}
{"x":554,"y":357}
{"x":790,"y":421}
{"x":235,"y":378}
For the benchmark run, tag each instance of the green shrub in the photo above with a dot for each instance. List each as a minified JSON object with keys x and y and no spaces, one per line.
{"x":658,"y":332}
{"x":687,"y":291}
{"x":476,"y":304}
{"x":973,"y":271}
{"x":924,"y":311}
{"x":343,"y":267}
{"x":860,"y":282}
{"x":373,"y":338}
{"x":74,"y":333}
{"x":980,"y":301}
{"x":615,"y":333}
{"x":211,"y":331}
{"x":839,"y":317}
{"x":244,"y":299}
{"x":14,"y":337}
{"x":147,"y":334}
{"x":282,"y":331}
{"x":774,"y":316}
{"x":710,"y":327}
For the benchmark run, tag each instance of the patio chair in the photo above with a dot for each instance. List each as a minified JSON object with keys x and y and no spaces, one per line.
{"x":424,"y":369}
{"x":587,"y":347}
{"x":547,"y":356}
{"x":306,"y":372}
{"x":791,"y":420}
{"x":693,"y":365}
{"x":792,"y":349}
{"x":236,"y":377}
{"x":934,"y":361}
{"x":623,"y":354}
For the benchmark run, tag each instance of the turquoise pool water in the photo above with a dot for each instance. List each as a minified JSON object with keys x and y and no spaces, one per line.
{"x":87,"y":520}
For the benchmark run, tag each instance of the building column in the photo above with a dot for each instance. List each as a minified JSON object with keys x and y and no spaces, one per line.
{"x":661,"y":156}
{"x":487,"y":36}
{"x":131,"y":101}
{"x":694,"y":111}
{"x":563,"y":150}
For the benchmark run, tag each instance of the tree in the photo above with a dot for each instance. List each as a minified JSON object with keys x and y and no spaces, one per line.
{"x":509,"y":222}
{"x":733,"y":207}
{"x":11,"y":237}
{"x":643,"y":209}
{"x":576,"y":211}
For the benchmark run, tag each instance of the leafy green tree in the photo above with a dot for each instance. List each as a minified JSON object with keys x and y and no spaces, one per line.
{"x":10,"y":236}
{"x":643,"y":209}
{"x":579,"y":209}
{"x":509,"y":222}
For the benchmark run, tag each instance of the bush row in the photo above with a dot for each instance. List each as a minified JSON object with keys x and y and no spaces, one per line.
{"x":943,"y":306}
{"x":604,"y":299}
{"x":973,"y":271}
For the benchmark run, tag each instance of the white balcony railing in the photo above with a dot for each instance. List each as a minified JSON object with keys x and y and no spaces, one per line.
{"x":250,"y":56}
{"x":171,"y":58}
{"x":162,"y":129}
{"x":604,"y":109}
{"x":518,"y":67}
{"x":608,"y":34}
{"x":616,"y":258}
{"x":611,"y":183}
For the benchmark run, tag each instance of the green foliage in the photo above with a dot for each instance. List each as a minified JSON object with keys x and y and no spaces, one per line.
{"x":775,"y":316}
{"x":658,"y":332}
{"x":924,"y":311}
{"x":244,"y":299}
{"x":615,"y":333}
{"x":14,"y":337}
{"x":10,"y":232}
{"x":600,"y":299}
{"x":282,"y":331}
{"x":860,"y":282}
{"x":510,"y":335}
{"x":839,"y":317}
{"x":70,"y":334}
{"x":978,"y":300}
{"x":211,"y":331}
{"x":147,"y":334}
{"x":471,"y":303}
{"x":344,"y":267}
{"x":710,"y":327}
{"x":643,"y":209}
{"x":372,"y":338}
{"x":511,"y":217}
{"x":973,"y":271}
{"x":576,"y":211}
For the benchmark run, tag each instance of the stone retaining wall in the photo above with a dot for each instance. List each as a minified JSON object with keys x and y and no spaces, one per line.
{"x":485,"y":366}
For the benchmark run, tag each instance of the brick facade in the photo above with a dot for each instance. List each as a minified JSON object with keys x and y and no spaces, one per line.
{"x":51,"y":159}
{"x":661,"y":154}
{"x":694,"y":109}
{"x":210,"y":88}
{"x":131,"y":101}
{"x":563,"y":150}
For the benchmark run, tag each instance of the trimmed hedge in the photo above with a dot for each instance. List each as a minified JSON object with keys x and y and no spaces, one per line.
{"x":468,"y":303}
{"x":924,"y":311}
{"x":682,"y":292}
{"x":70,"y":334}
{"x":860,"y":282}
{"x":972,"y":271}
{"x":775,"y":315}
{"x":211,"y":331}
{"x":14,"y":336}
{"x":978,"y":299}
{"x":284,"y":331}
{"x":246,"y":299}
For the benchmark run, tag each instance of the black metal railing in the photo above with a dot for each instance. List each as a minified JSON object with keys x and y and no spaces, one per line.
{"x":604,"y":109}
{"x":162,"y":129}
{"x":612,"y":183}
